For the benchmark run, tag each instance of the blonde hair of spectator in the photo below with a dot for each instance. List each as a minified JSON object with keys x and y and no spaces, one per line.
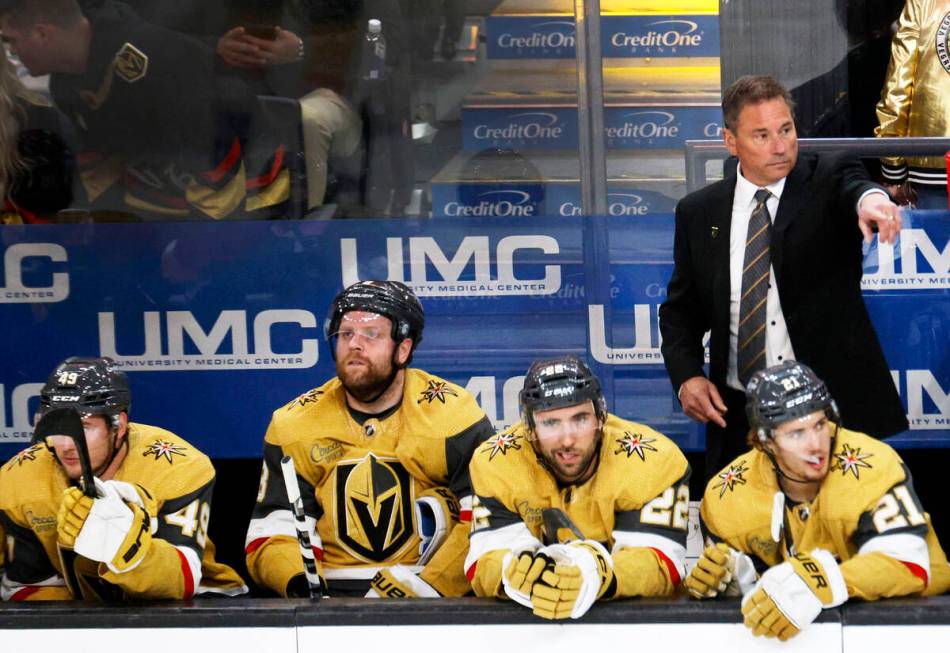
{"x":13,"y":98}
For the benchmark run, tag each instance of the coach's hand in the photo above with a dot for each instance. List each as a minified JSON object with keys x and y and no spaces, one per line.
{"x":701,"y":401}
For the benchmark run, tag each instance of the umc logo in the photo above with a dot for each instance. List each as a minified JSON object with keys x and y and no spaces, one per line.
{"x":550,"y":35}
{"x":503,"y":203}
{"x":916,"y":248}
{"x":484,"y":389}
{"x":646,"y":339}
{"x":424,"y":252}
{"x":15,"y":291}
{"x":164,"y":338}
{"x":920,"y":386}
{"x":21,"y":428}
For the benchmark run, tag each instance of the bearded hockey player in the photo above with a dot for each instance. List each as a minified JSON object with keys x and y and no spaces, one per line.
{"x":381,"y":454}
{"x":823,"y":513}
{"x":615,"y":495}
{"x":145,"y":532}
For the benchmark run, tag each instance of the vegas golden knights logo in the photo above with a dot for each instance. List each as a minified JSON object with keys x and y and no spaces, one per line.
{"x":373,"y":507}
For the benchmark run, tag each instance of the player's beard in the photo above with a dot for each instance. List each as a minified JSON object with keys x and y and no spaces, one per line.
{"x":576,"y":473}
{"x":365,"y":383}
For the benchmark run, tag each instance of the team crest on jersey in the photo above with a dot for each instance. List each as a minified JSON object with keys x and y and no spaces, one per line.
{"x":943,"y":48}
{"x":23,"y":456}
{"x":131,"y":64}
{"x":500,"y":444}
{"x":436,"y":390}
{"x":374,"y":507}
{"x":311,"y":397}
{"x":164,"y":449}
{"x":634,"y":443}
{"x":850,"y":460}
{"x":731,"y":478}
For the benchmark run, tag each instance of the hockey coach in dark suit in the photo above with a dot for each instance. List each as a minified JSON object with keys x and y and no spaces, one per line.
{"x":769,"y":260}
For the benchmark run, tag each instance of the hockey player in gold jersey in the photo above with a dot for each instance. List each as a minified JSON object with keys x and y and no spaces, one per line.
{"x":381,"y":453}
{"x":823,"y":513}
{"x":623,"y":487}
{"x":145,"y":532}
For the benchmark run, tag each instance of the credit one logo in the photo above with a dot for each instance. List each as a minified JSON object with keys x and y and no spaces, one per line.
{"x":484,"y":389}
{"x":646,"y":125}
{"x":919,"y":384}
{"x":165,"y":334}
{"x":427,"y":256}
{"x":618,"y":204}
{"x":501,"y":203}
{"x":914,"y":243}
{"x":20,"y":429}
{"x":667,"y":34}
{"x":646,"y":337}
{"x":14,"y":291}
{"x":549,"y":35}
{"x":521,"y":128}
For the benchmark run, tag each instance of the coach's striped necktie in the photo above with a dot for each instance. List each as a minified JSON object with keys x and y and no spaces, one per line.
{"x":750,"y":354}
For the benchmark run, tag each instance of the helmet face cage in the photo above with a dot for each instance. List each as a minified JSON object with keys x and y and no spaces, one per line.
{"x":91,"y":386}
{"x":391,"y":299}
{"x":559,"y":383}
{"x":785,"y":392}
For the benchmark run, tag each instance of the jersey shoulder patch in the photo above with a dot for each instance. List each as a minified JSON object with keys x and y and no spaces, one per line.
{"x":862,"y":469}
{"x":158,"y":458}
{"x":32,"y":473}
{"x":632,"y":450}
{"x":437,"y":405}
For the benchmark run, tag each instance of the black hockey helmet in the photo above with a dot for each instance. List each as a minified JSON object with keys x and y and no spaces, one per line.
{"x":559,"y":383}
{"x":392,"y":299}
{"x":91,"y":386}
{"x":784,"y":392}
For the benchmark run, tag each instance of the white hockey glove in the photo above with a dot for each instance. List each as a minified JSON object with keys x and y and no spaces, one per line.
{"x":116,"y":528}
{"x":583,"y":572}
{"x":721,"y":570}
{"x":398,"y":582}
{"x":791,"y":595}
{"x":437,"y":512}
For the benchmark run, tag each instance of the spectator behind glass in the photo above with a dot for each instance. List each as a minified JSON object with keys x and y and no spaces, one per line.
{"x":162,"y":137}
{"x":36,"y":166}
{"x":299,"y":49}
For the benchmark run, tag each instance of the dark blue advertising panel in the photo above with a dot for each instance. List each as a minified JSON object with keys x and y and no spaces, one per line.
{"x":220,"y":324}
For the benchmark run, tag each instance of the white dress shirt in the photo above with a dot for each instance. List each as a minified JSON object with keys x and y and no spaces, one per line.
{"x":778,"y":346}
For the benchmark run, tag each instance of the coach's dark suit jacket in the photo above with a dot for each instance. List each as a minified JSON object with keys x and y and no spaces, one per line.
{"x":816,"y":255}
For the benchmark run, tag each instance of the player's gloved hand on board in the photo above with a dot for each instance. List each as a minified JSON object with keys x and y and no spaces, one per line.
{"x":524,"y":571}
{"x":720,"y":570}
{"x":583,"y":572}
{"x":399,"y":582}
{"x":791,"y":595}
{"x":299,"y":588}
{"x":115,"y":527}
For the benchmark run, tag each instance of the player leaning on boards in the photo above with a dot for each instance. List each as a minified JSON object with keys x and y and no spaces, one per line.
{"x":381,"y":452}
{"x":144,"y":534}
{"x":826,"y":514}
{"x":623,"y":487}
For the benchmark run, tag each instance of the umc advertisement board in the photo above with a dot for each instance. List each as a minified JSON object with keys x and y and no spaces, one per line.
{"x":220,"y":324}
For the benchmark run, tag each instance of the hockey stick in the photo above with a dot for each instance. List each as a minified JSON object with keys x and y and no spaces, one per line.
{"x":303,"y":534}
{"x":67,"y":422}
{"x":556,"y":522}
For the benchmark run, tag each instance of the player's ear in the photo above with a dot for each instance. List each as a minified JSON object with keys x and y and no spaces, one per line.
{"x":403,"y":350}
{"x":123,"y":427}
{"x":730,"y":140}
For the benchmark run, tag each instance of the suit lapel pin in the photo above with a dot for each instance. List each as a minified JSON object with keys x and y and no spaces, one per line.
{"x":714,"y":231}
